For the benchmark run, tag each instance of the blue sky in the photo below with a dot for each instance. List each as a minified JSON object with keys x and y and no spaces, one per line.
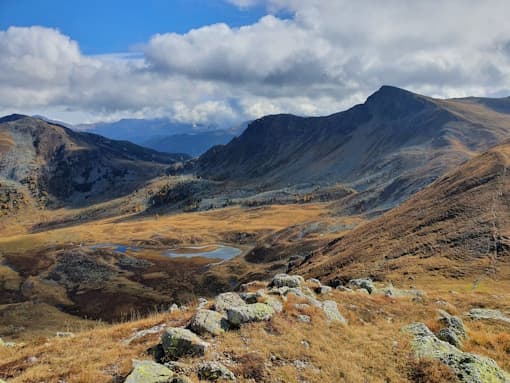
{"x":106,"y":26}
{"x":226,"y":61}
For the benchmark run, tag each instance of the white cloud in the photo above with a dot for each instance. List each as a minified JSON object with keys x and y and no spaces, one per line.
{"x":327,"y":56}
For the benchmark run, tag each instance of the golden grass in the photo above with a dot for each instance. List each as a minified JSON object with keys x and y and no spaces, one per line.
{"x":371,"y":348}
{"x":199,"y":227}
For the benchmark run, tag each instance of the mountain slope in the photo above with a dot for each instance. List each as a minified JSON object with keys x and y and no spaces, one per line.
{"x":388,"y":148}
{"x":56,"y":165}
{"x":458,"y":226}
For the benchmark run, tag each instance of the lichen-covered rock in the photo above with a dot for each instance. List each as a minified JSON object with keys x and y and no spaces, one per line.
{"x":208,"y":321}
{"x":274,"y":303}
{"x":330,"y":308}
{"x":363,"y":283}
{"x":249,"y":297}
{"x":448,"y":335}
{"x":394,"y":292}
{"x":454,"y":332}
{"x":249,"y":313}
{"x":286,"y":280}
{"x":469,"y":368}
{"x":313,"y":281}
{"x":344,"y":289}
{"x":147,"y":371}
{"x":178,"y":342}
{"x":179,"y":367}
{"x":227,"y":300}
{"x":214,"y":371}
{"x":478,"y":314}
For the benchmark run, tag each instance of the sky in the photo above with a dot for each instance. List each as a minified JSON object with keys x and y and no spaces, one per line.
{"x":222,"y":62}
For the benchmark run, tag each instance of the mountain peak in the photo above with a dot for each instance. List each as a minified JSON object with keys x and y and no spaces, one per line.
{"x":12,"y":117}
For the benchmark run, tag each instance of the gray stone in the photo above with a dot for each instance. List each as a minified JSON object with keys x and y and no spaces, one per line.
{"x":344,"y":289}
{"x":202,"y":303}
{"x":479,"y":313}
{"x":304,"y":318}
{"x":178,"y":342}
{"x":313,"y":281}
{"x":249,"y":313}
{"x":249,"y":297}
{"x":274,"y":303}
{"x":448,"y":335}
{"x":179,"y":367}
{"x":453,"y":323}
{"x":363,"y":283}
{"x":281,"y":280}
{"x":227,"y":300}
{"x":62,"y":334}
{"x":208,"y":321}
{"x":469,"y":368}
{"x":330,"y":308}
{"x":323,"y":289}
{"x":214,"y":371}
{"x":147,"y":371}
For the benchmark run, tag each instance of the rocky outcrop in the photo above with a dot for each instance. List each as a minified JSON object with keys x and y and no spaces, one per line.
{"x":147,"y":371}
{"x":478,"y":314}
{"x":363,"y":283}
{"x":469,"y":368}
{"x":208,"y":321}
{"x":228,"y":300}
{"x":454,"y":331}
{"x":179,"y":342}
{"x":255,"y":312}
{"x":330,"y":308}
{"x":285,"y":280}
{"x":214,"y":371}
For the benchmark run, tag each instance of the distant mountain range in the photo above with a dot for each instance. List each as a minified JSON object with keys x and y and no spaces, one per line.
{"x":387,"y":149}
{"x":164,"y":135}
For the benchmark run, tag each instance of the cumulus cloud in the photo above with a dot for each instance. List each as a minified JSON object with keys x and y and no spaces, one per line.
{"x":325,"y":57}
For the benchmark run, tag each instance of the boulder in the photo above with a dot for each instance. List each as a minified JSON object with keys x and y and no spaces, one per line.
{"x":478,"y":314}
{"x":249,"y":297}
{"x":255,"y":312}
{"x":274,"y":303}
{"x":286,"y":280}
{"x":363,"y":283}
{"x":330,"y":308}
{"x":214,"y":371}
{"x":448,"y":335}
{"x":469,"y":368}
{"x":208,"y":321}
{"x":323,"y":289}
{"x":453,"y":323}
{"x":227,"y":300}
{"x":178,"y":342}
{"x":147,"y":371}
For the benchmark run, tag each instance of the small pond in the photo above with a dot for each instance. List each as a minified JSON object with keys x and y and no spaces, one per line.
{"x":208,"y":251}
{"x":215,"y":252}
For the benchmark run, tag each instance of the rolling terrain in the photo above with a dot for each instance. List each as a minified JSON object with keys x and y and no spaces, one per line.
{"x":458,"y":227}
